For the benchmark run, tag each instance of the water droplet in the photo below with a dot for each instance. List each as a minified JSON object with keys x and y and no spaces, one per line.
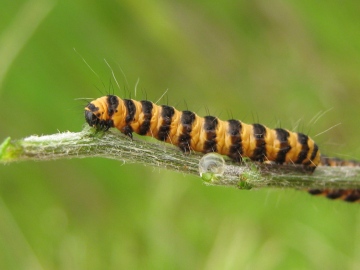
{"x":211,"y":166}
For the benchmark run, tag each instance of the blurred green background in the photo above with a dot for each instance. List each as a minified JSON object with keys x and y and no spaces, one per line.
{"x":279,"y":63}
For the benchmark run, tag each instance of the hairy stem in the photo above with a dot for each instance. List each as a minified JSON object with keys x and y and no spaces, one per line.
{"x":113,"y":145}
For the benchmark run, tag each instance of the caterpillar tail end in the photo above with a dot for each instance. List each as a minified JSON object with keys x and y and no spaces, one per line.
{"x":347,"y":195}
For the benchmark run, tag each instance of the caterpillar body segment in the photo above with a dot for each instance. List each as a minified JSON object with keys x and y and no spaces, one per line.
{"x":191,"y":132}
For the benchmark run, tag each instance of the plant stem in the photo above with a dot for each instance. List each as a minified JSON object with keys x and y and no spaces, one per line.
{"x":114,"y":145}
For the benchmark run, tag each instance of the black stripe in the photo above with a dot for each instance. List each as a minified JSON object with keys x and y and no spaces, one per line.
{"x":334,"y":194}
{"x":130,"y":113}
{"x":130,"y":110}
{"x":283,"y":136}
{"x":235,"y":150}
{"x":314,"y":152}
{"x":210,"y":124}
{"x":315,"y":191}
{"x":147,"y":107}
{"x":186,"y":120}
{"x":112,"y":102}
{"x":167,"y":113}
{"x":259,"y":153}
{"x":303,"y":140}
{"x":353,"y":196}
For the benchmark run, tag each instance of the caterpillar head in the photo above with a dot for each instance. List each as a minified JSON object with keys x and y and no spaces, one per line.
{"x":98,"y":113}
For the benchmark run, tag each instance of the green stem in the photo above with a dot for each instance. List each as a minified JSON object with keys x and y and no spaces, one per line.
{"x":114,"y":145}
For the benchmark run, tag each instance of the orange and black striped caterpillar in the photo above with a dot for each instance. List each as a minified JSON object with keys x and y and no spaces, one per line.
{"x":191,"y":132}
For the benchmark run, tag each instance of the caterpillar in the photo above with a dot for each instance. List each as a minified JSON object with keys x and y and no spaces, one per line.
{"x":232,"y":138}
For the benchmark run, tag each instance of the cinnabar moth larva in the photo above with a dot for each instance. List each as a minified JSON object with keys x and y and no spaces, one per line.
{"x":191,"y":132}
